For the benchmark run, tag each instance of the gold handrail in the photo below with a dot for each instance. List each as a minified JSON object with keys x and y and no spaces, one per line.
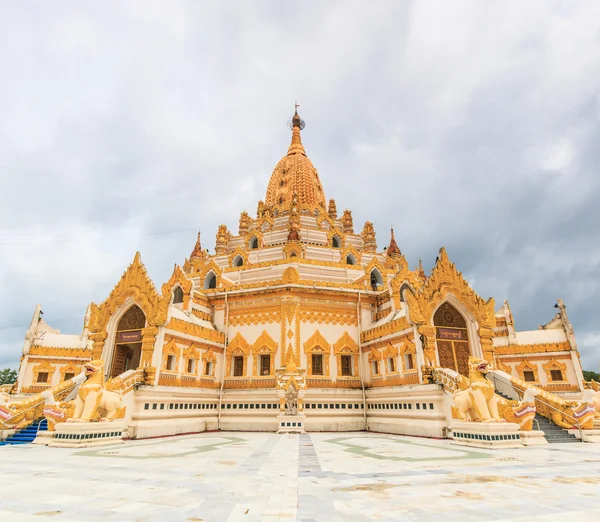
{"x":537,"y":398}
{"x":32,"y":407}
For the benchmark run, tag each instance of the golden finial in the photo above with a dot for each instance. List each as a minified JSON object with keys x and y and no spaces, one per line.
{"x":297,"y":124}
{"x":197,"y":252}
{"x":393,"y":249}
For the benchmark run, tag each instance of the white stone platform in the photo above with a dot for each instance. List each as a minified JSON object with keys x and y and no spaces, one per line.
{"x":85,"y":434}
{"x":487,"y":435}
{"x":252,"y":477}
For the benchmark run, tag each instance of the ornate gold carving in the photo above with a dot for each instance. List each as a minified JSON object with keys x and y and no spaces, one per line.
{"x":527,"y":366}
{"x":57,"y":351}
{"x":555,"y":364}
{"x":135,"y":284}
{"x":332,"y":210}
{"x":201,"y":315}
{"x":295,"y":174}
{"x":290,"y":276}
{"x":178,"y":278}
{"x":348,"y":222}
{"x":445,"y":280}
{"x":238,"y":346}
{"x":290,"y":321}
{"x":74,"y":369}
{"x":254,"y":316}
{"x":345,"y":345}
{"x":317,"y":344}
{"x":232,"y":383}
{"x":394,"y":380}
{"x":245,"y":222}
{"x":266,"y":345}
{"x":350,"y":250}
{"x":532,"y":348}
{"x":222,"y":239}
{"x":389,"y":328}
{"x":179,"y":325}
{"x":368,"y":235}
{"x":171,"y":348}
{"x":44,"y":367}
{"x":328,"y":315}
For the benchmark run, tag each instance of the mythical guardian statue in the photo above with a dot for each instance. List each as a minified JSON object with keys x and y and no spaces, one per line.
{"x":477,"y":401}
{"x":93,"y":398}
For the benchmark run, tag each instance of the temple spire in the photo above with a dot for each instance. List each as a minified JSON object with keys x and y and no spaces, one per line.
{"x":393,"y":249}
{"x":297,"y":125}
{"x":197,"y":252}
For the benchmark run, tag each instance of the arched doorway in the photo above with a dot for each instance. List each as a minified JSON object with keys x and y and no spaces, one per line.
{"x":128,"y":341}
{"x":452,"y":339}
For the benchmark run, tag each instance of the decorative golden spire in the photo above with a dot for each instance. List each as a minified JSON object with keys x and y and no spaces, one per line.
{"x":297,"y":125}
{"x":421,"y":271}
{"x":393,"y":249}
{"x":197,"y":252}
{"x":295,"y":173}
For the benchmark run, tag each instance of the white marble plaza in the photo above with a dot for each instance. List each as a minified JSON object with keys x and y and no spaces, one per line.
{"x":311,"y":477}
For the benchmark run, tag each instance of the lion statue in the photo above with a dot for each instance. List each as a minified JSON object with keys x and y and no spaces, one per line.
{"x":94,"y":399}
{"x":477,"y":400}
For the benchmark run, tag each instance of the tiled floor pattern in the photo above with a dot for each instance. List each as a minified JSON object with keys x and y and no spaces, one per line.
{"x":313,"y":478}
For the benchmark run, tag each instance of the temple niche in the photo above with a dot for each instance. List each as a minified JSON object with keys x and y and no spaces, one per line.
{"x":298,"y":296}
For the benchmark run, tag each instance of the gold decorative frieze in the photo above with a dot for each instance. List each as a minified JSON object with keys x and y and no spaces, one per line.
{"x":389,"y":328}
{"x":327,"y":315}
{"x":186,"y":381}
{"x":58,"y":351}
{"x":394,"y":380}
{"x":509,"y":359}
{"x":532,"y":348}
{"x":255,"y":316}
{"x":195,"y":330}
{"x":201,"y":315}
{"x":232,"y":383}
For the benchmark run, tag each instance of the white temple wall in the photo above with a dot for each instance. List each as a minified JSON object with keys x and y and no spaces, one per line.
{"x":164,"y":410}
{"x":408,"y":410}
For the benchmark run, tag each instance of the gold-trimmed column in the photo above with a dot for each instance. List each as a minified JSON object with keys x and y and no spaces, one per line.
{"x":148,"y":340}
{"x":98,"y":339}
{"x":486,"y":336}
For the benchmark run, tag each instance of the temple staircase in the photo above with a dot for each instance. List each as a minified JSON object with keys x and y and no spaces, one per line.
{"x":27,"y":416}
{"x":552,"y":432}
{"x":547,"y":405}
{"x":26,"y":435}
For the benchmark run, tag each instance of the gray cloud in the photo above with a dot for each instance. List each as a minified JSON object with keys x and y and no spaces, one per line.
{"x":472,"y":125}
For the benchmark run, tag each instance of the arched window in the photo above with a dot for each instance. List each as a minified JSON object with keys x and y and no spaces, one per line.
{"x":452,"y":339}
{"x":177,"y":295}
{"x":133,"y":319}
{"x":238,"y":260}
{"x":336,"y":242}
{"x":254,"y":243}
{"x":210,"y":281}
{"x":350,"y":259}
{"x":376,"y":279}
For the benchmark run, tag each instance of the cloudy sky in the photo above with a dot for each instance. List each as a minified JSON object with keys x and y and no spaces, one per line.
{"x":128,"y":126}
